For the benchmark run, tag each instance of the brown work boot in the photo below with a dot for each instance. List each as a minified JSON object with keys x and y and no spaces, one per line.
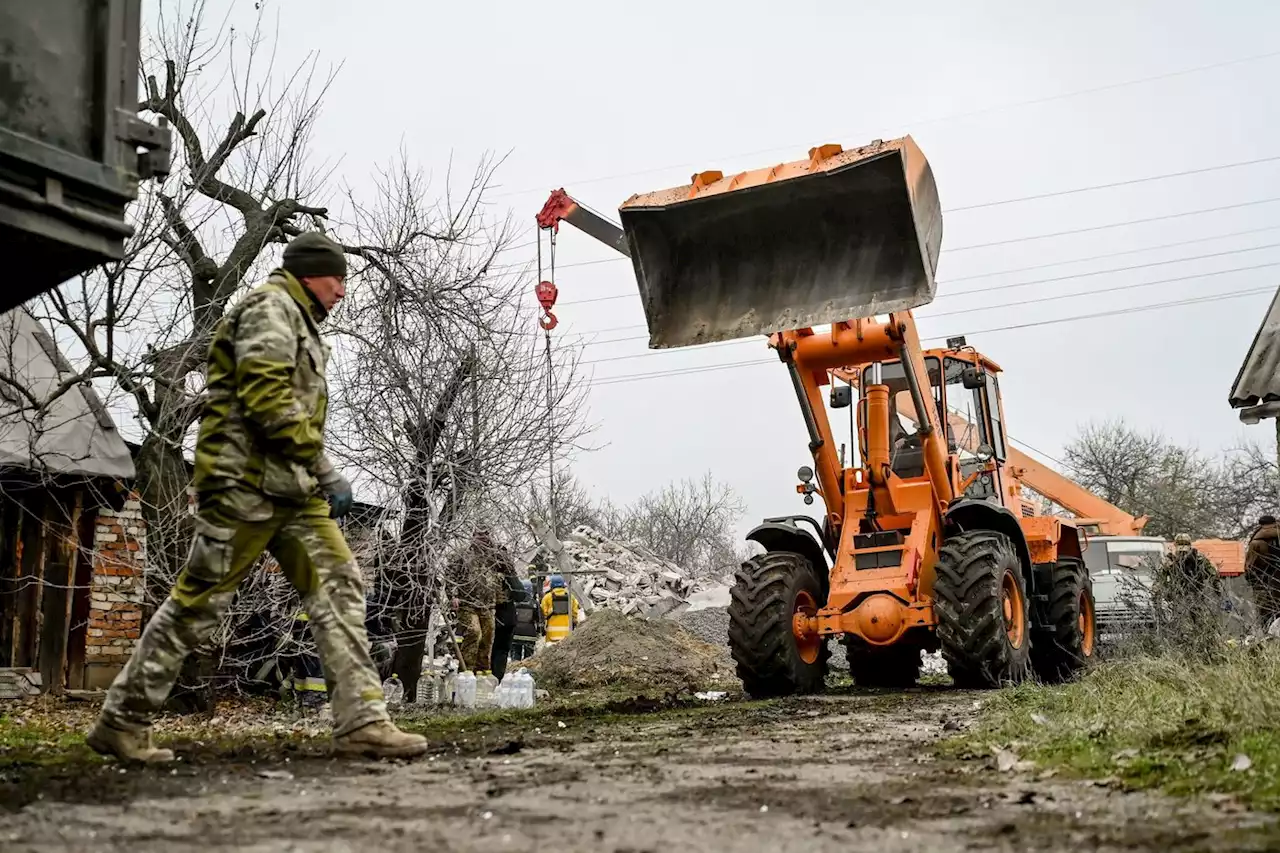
{"x":380,"y":740}
{"x":132,"y":747}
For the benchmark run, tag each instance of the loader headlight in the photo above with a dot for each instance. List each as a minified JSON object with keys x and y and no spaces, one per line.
{"x":805,"y":473}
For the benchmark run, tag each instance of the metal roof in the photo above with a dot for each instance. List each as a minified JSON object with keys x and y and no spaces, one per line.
{"x":74,"y":434}
{"x":1258,"y":381}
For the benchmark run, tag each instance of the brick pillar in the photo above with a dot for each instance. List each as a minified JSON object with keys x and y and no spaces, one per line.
{"x":115,"y":592}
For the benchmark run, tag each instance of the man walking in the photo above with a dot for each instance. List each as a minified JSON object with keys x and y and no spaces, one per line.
{"x":260,"y":469}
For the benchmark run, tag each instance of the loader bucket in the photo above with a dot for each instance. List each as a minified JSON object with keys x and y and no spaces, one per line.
{"x":842,"y":235}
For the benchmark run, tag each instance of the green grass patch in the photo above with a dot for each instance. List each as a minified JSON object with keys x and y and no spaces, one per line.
{"x":1149,"y":722}
{"x":23,"y":742}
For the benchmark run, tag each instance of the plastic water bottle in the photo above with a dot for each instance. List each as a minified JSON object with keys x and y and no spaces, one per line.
{"x":530,"y":688}
{"x":393,"y":691}
{"x":429,"y":688}
{"x":508,"y":693}
{"x":464,"y":695}
{"x":486,"y":685}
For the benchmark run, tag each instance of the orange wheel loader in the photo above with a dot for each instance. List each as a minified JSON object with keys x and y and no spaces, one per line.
{"x":925,"y":543}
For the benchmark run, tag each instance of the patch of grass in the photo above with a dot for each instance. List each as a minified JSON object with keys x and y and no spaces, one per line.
{"x":38,"y":743}
{"x":1150,"y":722}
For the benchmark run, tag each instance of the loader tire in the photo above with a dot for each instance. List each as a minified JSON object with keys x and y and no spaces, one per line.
{"x":983,"y":612}
{"x":1066,"y":644}
{"x":768,"y":590}
{"x":882,"y":666}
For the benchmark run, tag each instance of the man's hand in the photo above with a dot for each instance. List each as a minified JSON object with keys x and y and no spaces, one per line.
{"x":338,"y":490}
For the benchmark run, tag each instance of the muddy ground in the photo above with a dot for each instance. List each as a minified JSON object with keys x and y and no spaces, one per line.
{"x":855,"y":771}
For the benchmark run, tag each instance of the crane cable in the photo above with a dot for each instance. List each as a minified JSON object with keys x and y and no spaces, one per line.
{"x":546,"y":292}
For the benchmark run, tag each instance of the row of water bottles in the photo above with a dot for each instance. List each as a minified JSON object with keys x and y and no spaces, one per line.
{"x":469,"y":690}
{"x":442,"y":684}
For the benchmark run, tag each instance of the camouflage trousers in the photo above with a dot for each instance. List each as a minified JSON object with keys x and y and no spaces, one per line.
{"x":477,"y":638}
{"x":232,"y":530}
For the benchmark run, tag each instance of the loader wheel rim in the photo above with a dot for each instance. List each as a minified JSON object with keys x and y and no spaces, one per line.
{"x":1015,"y":614}
{"x":1086,"y":623}
{"x":808,"y":643}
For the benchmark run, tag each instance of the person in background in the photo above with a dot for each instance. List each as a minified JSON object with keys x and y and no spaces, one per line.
{"x":309,"y":689}
{"x":511,"y":594}
{"x":528,"y":625}
{"x":1262,"y":569}
{"x":560,"y":610}
{"x":1191,"y":589}
{"x":474,"y":583}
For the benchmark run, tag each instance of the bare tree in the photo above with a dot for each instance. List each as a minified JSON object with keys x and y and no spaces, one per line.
{"x":1250,"y":483}
{"x":574,"y":506}
{"x":691,"y":523}
{"x":1182,"y":489}
{"x":142,"y":326}
{"x":444,"y":405}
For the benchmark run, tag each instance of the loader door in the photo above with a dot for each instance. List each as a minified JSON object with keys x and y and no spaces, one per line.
{"x":973,"y":422}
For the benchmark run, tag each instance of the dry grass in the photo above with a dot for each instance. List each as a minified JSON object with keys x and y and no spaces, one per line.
{"x":1171,"y":722}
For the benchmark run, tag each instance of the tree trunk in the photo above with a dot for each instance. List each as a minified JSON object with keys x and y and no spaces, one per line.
{"x":163,"y":480}
{"x":162,"y":486}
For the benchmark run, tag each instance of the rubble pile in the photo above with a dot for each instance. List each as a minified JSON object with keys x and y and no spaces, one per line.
{"x":627,"y":652}
{"x":628,"y":577}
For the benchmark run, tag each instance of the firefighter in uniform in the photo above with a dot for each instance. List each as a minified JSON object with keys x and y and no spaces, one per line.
{"x":560,"y":610}
{"x":309,"y":689}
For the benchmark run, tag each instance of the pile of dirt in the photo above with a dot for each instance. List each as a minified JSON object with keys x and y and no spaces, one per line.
{"x":611,"y":649}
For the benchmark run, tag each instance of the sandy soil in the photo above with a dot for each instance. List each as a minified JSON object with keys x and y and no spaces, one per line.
{"x":836,"y":773}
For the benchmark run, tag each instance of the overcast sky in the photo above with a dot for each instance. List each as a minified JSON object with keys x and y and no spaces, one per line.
{"x":1006,"y":99}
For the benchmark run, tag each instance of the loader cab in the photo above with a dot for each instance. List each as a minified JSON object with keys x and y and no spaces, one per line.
{"x":966,"y":393}
{"x":972,"y":410}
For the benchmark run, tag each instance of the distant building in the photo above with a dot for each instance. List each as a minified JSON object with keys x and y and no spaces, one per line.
{"x":72,"y":538}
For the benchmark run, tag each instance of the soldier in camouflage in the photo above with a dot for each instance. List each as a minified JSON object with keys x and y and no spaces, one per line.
{"x":263,"y":482}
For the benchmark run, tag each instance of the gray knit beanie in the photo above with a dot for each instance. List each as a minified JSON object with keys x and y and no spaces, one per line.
{"x":313,"y":254}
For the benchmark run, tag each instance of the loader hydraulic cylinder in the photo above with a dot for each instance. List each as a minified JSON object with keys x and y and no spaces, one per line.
{"x":878,"y":434}
{"x":802,"y":395}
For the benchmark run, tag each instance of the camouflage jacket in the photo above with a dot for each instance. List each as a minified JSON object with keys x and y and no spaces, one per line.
{"x":266,"y":396}
{"x":477,"y":577}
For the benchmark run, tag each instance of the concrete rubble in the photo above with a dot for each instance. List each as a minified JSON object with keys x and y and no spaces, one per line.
{"x":628,"y":577}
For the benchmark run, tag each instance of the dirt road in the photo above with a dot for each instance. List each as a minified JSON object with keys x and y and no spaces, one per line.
{"x":837,"y":773}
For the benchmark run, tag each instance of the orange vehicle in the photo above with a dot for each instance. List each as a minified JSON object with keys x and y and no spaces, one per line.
{"x":923,"y":544}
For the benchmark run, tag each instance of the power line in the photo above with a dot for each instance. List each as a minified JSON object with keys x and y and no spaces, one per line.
{"x":1011,"y":270}
{"x":614,"y":296}
{"x":1023,"y":239}
{"x":1020,"y":304}
{"x":1055,"y":279}
{"x":1113,"y":184}
{"x":1089,"y":229}
{"x":924,"y":122}
{"x":1238,"y":294}
{"x":1164,"y":217}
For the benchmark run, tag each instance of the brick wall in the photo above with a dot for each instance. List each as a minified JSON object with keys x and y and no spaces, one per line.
{"x":116,"y":591}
